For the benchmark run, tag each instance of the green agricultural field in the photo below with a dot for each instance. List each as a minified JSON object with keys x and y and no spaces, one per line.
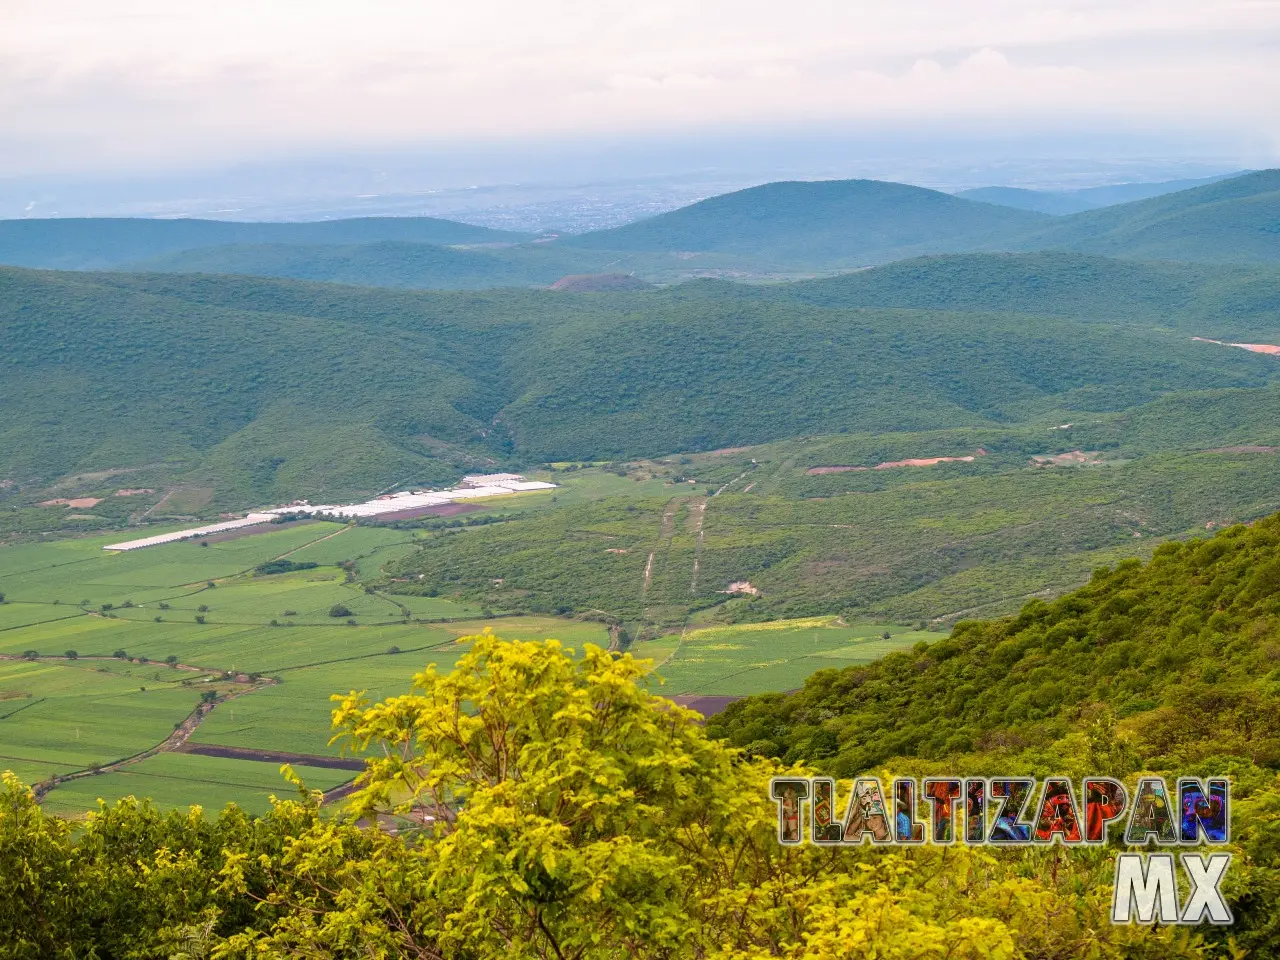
{"x":351,"y":543}
{"x":762,"y":657}
{"x":295,"y":715}
{"x":61,"y":716}
{"x":179,"y":780}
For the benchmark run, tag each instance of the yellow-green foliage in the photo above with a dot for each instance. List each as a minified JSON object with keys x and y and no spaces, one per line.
{"x":576,"y":815}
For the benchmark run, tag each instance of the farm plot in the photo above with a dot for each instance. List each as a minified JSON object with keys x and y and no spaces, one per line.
{"x":61,"y":716}
{"x":296,"y":715}
{"x":72,"y":574}
{"x":353,"y":543}
{"x":753,"y":658}
{"x":179,"y":780}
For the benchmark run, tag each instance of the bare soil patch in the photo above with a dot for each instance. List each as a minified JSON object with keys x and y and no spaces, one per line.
{"x":1267,"y":348}
{"x":816,"y":471}
{"x":130,"y":492}
{"x":600,"y":282}
{"x":270,"y":756}
{"x":893,"y":464}
{"x":1074,"y":458}
{"x":77,"y":503}
{"x":707,"y":706}
{"x":443,"y":510}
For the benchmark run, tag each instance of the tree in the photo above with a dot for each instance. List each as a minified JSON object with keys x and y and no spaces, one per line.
{"x":576,"y":815}
{"x":71,"y":655}
{"x":339,"y":611}
{"x":121,"y":655}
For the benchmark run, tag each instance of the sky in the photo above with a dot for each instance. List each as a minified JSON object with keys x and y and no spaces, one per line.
{"x":165,"y":85}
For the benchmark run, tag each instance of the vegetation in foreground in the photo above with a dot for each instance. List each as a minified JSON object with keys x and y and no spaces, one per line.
{"x":548,"y":807}
{"x":1167,"y":667}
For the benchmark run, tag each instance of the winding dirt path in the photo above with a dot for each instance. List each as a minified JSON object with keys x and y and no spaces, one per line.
{"x":666,"y":530}
{"x":700,"y":516}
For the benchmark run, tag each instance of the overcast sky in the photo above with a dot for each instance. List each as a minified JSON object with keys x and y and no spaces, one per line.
{"x":152,"y":84}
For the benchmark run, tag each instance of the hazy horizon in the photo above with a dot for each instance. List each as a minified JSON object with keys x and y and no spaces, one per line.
{"x":288,"y":110}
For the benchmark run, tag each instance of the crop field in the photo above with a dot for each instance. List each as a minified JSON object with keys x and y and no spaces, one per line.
{"x":760,"y":657}
{"x":123,"y":615}
{"x":61,"y":716}
{"x":179,"y":780}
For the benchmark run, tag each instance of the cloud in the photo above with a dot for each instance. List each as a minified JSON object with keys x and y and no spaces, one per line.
{"x":150,"y":82}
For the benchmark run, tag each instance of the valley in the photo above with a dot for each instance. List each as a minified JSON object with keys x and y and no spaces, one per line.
{"x":750,"y":486}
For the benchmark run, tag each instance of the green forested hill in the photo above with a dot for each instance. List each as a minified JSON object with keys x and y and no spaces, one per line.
{"x":1040,"y":201}
{"x":1183,"y":645}
{"x":1233,"y":300}
{"x":388,"y":264}
{"x":821,"y":224}
{"x":103,"y":242}
{"x":1060,"y":202}
{"x":1235,"y":220}
{"x":104,"y":371}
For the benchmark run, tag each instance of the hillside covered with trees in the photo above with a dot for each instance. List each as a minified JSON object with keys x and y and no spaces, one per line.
{"x":548,"y":807}
{"x":251,"y":385}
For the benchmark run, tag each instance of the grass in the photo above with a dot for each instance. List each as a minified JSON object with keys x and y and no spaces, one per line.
{"x":760,"y":657}
{"x":58,"y":717}
{"x":179,"y":780}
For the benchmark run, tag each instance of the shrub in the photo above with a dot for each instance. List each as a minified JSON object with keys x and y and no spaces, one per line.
{"x":338,"y":611}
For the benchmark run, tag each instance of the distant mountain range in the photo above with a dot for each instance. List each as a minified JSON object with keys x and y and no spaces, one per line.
{"x":778,"y":230}
{"x":1062,"y":202}
{"x":1232,"y":220}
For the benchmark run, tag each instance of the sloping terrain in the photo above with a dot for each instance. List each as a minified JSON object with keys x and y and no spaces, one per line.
{"x":386,"y":264}
{"x":348,"y":389}
{"x":820,"y":224}
{"x":98,"y":243}
{"x":1237,"y":300}
{"x":1232,"y":220}
{"x":1061,"y":202}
